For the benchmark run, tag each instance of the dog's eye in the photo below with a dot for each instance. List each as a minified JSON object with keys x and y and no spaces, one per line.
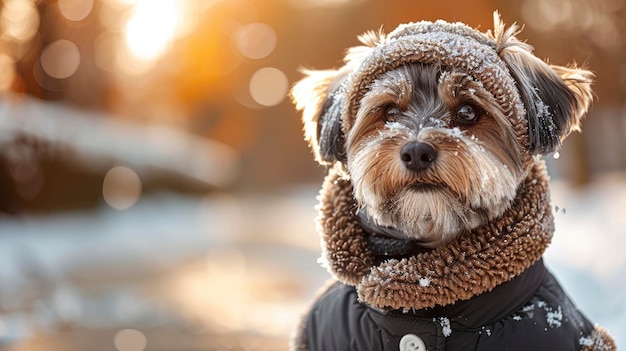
{"x":392,"y":112}
{"x":467,"y":114}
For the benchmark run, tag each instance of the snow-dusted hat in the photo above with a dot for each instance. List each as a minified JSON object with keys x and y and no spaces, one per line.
{"x":453,"y":45}
{"x":543,"y":102}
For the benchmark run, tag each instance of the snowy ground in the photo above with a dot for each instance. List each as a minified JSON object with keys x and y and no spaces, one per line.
{"x":587,"y":253}
{"x":236,"y":265}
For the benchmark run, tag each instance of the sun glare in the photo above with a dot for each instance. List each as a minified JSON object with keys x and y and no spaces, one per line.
{"x":152,"y":27}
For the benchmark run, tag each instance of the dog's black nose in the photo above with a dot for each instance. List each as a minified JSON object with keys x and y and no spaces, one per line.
{"x":418,"y":156}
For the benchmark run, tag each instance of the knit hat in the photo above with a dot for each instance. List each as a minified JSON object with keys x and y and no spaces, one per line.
{"x":544,"y":103}
{"x":453,"y":45}
{"x":450,"y":45}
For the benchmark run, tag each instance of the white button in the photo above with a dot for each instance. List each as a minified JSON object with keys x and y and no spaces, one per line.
{"x":412,"y":342}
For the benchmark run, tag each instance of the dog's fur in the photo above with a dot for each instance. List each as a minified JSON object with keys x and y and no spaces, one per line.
{"x":473,"y":162}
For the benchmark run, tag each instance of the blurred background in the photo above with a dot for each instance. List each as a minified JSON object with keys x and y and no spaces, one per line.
{"x":155,"y":190}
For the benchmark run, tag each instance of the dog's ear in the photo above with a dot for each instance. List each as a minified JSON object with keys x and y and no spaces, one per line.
{"x":555,"y":98}
{"x":318,"y":97}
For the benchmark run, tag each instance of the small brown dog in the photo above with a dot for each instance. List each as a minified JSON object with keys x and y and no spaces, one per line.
{"x":435,"y":213}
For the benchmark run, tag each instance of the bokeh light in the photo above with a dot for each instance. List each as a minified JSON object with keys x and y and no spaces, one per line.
{"x":19,"y":20}
{"x":75,"y":10}
{"x":256,"y":40}
{"x":121,"y":188}
{"x":60,"y":59}
{"x":130,"y":340}
{"x":268,"y":86}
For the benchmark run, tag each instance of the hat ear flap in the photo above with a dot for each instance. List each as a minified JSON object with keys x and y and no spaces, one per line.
{"x":318,"y":97}
{"x":555,"y":98}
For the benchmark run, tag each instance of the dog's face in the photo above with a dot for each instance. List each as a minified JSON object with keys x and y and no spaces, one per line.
{"x":430,"y":150}
{"x":431,"y":154}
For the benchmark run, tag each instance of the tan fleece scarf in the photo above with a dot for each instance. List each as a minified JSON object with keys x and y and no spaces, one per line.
{"x":474,"y":263}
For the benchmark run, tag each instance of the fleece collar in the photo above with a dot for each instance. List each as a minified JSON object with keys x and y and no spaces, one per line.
{"x":471,"y":265}
{"x":501,"y":301}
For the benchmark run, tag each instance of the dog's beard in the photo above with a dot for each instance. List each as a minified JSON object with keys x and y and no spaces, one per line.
{"x":473,"y":179}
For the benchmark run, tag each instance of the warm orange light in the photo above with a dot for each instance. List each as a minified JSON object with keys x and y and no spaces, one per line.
{"x":152,"y":27}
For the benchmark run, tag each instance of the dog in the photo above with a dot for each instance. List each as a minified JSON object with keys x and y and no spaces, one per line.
{"x":435,"y":212}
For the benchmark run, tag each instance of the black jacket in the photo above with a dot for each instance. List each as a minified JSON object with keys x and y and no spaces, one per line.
{"x":530,"y":312}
